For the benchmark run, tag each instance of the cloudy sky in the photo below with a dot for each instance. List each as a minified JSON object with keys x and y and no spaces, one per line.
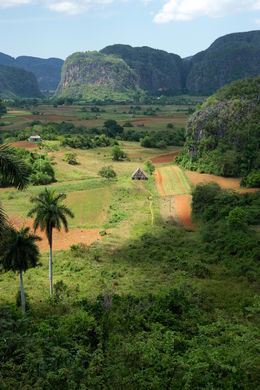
{"x":48,"y":28}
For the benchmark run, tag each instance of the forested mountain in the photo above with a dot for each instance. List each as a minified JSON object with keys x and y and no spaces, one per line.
{"x":229,"y":58}
{"x":15,"y":82}
{"x":93,"y":75}
{"x":156,"y":70}
{"x":47,"y":71}
{"x":223,"y":135}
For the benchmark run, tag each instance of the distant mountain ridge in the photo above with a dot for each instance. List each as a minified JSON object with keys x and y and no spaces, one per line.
{"x":18,"y":83}
{"x":229,"y":58}
{"x":146,"y":70}
{"x":47,"y":71}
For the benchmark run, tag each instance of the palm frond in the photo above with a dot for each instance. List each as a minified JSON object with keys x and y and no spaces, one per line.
{"x":13,"y":168}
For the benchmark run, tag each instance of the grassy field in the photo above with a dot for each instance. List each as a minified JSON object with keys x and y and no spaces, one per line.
{"x":173,"y":181}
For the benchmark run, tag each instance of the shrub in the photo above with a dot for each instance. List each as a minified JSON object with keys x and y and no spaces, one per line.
{"x":107,"y":172}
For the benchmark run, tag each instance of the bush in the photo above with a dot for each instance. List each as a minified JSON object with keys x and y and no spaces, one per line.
{"x":107,"y":172}
{"x":71,"y":158}
{"x":117,"y":153}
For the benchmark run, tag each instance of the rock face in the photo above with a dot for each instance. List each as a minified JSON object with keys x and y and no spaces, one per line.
{"x":95,"y":75}
{"x":156,"y":70}
{"x":47,"y":71}
{"x":17,"y":83}
{"x":229,"y":58}
{"x":223,"y":136}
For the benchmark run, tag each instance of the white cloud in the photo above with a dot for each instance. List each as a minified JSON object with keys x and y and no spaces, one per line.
{"x":73,"y":7}
{"x":183,"y":10}
{"x":12,"y":3}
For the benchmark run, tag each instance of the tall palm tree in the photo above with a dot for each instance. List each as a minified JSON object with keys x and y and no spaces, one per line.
{"x":19,"y":253}
{"x":13,"y":170}
{"x":50,"y":213}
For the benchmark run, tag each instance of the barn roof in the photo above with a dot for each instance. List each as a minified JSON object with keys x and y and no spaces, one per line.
{"x":139,"y":174}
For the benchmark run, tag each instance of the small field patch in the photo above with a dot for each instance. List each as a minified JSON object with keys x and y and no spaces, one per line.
{"x":90,"y":207}
{"x":172,"y":180}
{"x":227,"y":183}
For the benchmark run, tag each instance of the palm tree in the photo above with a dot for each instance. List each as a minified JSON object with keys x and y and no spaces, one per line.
{"x":50,"y":213}
{"x":13,"y":170}
{"x":19,"y":253}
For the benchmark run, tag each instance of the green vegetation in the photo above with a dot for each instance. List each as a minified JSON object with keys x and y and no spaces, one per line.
{"x":148,"y":304}
{"x":117,"y":153}
{"x":15,"y":82}
{"x":71,"y":158}
{"x":223,"y":136}
{"x":107,"y":172}
{"x":19,"y":253}
{"x":94,"y":75}
{"x":149,"y":166}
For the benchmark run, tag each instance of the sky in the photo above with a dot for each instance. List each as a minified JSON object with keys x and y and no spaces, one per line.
{"x":57,"y":28}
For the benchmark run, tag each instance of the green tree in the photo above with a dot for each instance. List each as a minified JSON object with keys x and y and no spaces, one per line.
{"x":2,"y":108}
{"x":107,"y":172}
{"x":19,"y":253}
{"x":13,"y":170}
{"x":117,"y":153}
{"x":149,"y":166}
{"x":50,"y":213}
{"x":71,"y":158}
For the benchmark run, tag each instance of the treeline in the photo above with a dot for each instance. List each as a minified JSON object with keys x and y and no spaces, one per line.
{"x":111,"y":132}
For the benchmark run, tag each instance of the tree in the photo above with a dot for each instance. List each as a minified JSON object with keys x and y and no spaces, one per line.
{"x":117,"y":153}
{"x":19,"y":253}
{"x":13,"y":170}
{"x":71,"y":158}
{"x":107,"y":172}
{"x":50,"y":213}
{"x":149,"y":166}
{"x":2,"y":108}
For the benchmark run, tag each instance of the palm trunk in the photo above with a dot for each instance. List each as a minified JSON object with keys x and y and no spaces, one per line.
{"x":22,"y":292}
{"x":50,"y":262}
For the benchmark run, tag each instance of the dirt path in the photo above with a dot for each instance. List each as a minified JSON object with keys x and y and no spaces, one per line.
{"x":158,"y":179}
{"x":182,"y":205}
{"x":61,"y":240}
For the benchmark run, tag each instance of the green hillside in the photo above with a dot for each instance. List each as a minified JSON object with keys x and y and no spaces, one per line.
{"x":157,"y":70}
{"x":229,"y":58}
{"x":15,"y":82}
{"x":223,"y":136}
{"x":93,"y":75}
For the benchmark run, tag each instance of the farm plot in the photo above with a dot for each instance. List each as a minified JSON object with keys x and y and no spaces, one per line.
{"x":171,"y":180}
{"x":89,"y":207}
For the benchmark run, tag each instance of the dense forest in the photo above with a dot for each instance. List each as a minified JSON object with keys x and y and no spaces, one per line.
{"x":222,"y":137}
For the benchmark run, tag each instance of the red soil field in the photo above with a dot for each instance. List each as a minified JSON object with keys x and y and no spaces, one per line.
{"x":224,"y":182}
{"x":183,"y":210}
{"x":164,"y":158}
{"x":178,"y":119}
{"x":61,"y":240}
{"x":158,"y":180}
{"x":24,"y":144}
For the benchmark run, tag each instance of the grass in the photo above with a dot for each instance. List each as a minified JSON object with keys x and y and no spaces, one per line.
{"x":90,"y":207}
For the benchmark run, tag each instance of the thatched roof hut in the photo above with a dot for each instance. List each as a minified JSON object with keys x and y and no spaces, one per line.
{"x":139,"y":174}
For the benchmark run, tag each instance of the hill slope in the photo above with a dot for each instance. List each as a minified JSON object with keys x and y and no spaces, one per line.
{"x":92,"y":75}
{"x":15,"y":82}
{"x":229,"y":58}
{"x":47,"y":71}
{"x":223,"y":136}
{"x":157,"y":70}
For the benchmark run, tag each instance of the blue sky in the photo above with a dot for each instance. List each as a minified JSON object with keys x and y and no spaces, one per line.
{"x":57,"y":28}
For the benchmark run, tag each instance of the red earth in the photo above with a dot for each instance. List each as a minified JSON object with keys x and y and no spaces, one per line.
{"x":164,"y":158}
{"x":61,"y":240}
